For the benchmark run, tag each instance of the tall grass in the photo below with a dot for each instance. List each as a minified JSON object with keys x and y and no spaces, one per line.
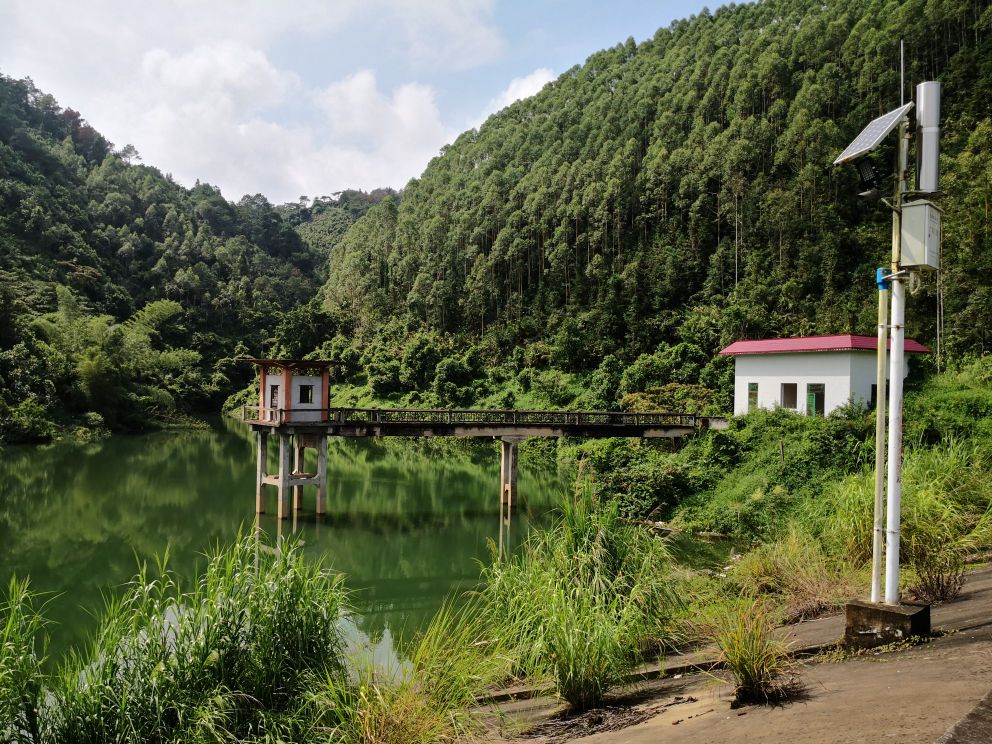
{"x":758,"y":659}
{"x":226,"y":660}
{"x":947,"y":490}
{"x":426,"y":699}
{"x":583,"y":601}
{"x":795,"y":569}
{"x":21,"y":655}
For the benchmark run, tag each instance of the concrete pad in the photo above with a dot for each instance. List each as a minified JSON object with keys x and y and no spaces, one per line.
{"x":909,"y":696}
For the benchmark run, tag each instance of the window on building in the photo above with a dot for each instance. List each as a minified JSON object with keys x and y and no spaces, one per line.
{"x":306,"y":393}
{"x":752,"y":396}
{"x":790,"y":395}
{"x":815,"y":398}
{"x":874,"y":397}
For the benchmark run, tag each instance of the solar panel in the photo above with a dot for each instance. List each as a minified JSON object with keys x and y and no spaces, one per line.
{"x":872,"y":134}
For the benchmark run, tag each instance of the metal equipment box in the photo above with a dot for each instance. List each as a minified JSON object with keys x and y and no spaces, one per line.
{"x":920,"y":236}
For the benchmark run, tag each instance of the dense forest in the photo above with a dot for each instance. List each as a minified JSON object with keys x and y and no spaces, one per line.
{"x":125,"y":297}
{"x":593,"y":245}
{"x":666,"y":198}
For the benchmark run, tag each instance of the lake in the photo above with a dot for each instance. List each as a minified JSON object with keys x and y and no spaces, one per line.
{"x":407,"y":521}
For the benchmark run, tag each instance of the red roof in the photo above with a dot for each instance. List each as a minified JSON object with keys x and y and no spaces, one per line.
{"x":845,"y":342}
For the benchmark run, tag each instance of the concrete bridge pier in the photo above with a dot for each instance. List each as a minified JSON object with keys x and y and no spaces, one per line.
{"x":321,"y":505}
{"x":262,"y":455}
{"x":291,"y":479}
{"x":282,"y":485}
{"x":508,"y":472}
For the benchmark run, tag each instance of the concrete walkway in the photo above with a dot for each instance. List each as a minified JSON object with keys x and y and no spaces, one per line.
{"x":916,"y":695}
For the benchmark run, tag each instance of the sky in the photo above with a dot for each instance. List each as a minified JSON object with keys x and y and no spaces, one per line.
{"x":310,"y":97}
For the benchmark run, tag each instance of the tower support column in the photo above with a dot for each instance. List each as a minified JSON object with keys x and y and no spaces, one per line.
{"x":299,"y":466}
{"x":321,"y":506}
{"x":262,"y":453}
{"x":285,"y":444}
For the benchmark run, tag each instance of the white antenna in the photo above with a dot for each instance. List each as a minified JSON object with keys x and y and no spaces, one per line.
{"x":902,"y":72}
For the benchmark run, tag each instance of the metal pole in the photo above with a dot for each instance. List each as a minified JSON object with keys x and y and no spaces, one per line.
{"x":894,"y":504}
{"x":896,"y":374}
{"x":879,"y":524}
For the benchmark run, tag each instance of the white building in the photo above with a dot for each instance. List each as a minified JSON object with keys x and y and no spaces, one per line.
{"x":812,"y":375}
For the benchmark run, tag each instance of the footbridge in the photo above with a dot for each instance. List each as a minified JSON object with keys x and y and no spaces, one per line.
{"x":414,"y":422}
{"x":293,"y":405}
{"x":301,"y":428}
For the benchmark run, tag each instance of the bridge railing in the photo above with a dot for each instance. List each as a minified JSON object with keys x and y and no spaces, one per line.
{"x":463,"y":416}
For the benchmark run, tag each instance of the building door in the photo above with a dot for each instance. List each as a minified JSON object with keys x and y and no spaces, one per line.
{"x":274,"y":396}
{"x":815,"y":398}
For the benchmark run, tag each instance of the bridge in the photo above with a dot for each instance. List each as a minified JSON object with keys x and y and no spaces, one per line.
{"x":448,"y":422}
{"x":300,"y":428}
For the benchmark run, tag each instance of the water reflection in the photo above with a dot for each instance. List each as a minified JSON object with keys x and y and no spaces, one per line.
{"x":406,"y":522}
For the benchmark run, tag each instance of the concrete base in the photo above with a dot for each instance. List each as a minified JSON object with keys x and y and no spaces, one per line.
{"x":870,"y":625}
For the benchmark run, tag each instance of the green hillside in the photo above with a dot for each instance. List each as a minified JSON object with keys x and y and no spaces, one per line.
{"x":593,"y":245}
{"x":609,"y":234}
{"x":123,"y":295}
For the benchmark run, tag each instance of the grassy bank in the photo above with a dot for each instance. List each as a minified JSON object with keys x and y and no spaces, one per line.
{"x":253,"y":650}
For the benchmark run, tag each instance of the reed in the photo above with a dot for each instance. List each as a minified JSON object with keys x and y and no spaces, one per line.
{"x":226,"y":659}
{"x":21,"y":655}
{"x":430,"y":697}
{"x":756,"y":657}
{"x":945,"y":514}
{"x":583,"y":601}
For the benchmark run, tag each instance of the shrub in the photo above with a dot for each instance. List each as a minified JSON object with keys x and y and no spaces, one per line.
{"x":452,"y":379}
{"x":553,"y":385}
{"x":758,"y":659}
{"x":420,"y":359}
{"x":605,"y":383}
{"x":233,"y":653}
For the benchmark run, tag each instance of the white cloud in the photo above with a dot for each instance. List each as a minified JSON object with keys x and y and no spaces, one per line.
{"x":228,"y":71}
{"x":519,"y":87}
{"x":454,"y":34}
{"x":199,"y":89}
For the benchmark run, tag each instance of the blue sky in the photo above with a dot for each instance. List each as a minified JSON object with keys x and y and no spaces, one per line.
{"x":308,"y":97}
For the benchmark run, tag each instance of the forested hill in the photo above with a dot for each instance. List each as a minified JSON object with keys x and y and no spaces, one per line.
{"x":123,"y":295}
{"x":668,"y":197}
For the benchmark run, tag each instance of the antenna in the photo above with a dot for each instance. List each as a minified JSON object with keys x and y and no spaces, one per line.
{"x":902,"y":72}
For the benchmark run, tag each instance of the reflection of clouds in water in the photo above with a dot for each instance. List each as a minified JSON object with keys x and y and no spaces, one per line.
{"x":381,"y":653}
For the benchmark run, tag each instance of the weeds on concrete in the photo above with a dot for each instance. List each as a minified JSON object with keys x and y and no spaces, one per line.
{"x":757,"y":658}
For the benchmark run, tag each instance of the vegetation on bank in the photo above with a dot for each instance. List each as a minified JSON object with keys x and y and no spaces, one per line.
{"x":583,"y":602}
{"x":253,"y":650}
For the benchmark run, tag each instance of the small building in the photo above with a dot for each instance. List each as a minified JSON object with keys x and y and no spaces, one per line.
{"x":292,"y":391}
{"x":812,"y":375}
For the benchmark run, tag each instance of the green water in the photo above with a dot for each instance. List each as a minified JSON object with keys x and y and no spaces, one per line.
{"x":406,"y":523}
